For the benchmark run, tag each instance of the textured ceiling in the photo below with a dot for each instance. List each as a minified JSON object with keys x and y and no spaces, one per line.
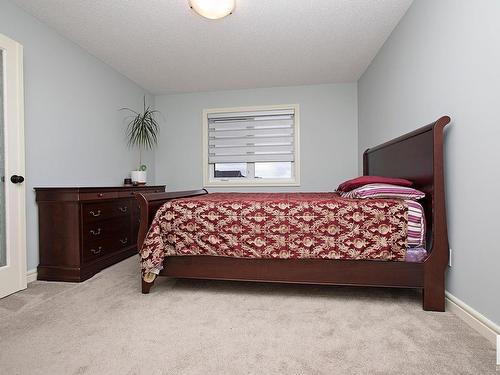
{"x":165,"y":47}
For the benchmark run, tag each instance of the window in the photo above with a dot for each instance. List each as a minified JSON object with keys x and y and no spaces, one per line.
{"x":251,"y":146}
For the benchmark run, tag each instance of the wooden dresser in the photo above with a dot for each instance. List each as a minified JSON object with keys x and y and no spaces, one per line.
{"x":83,"y":230}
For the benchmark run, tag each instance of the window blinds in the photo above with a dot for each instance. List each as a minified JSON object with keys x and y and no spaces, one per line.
{"x":260,"y":136}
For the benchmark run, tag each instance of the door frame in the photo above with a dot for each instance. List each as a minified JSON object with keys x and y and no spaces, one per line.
{"x":14,"y":148}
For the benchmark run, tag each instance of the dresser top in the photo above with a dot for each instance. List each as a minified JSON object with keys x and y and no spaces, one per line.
{"x":91,"y":189}
{"x":94,"y":193}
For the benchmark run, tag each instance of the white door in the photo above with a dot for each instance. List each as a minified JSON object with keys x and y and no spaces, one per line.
{"x":12,"y":190}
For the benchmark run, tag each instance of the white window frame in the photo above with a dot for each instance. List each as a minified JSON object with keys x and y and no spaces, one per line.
{"x":209,"y":181}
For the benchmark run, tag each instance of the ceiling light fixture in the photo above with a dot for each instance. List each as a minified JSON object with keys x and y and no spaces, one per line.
{"x":212,"y":9}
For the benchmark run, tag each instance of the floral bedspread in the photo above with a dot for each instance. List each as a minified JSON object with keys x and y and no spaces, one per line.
{"x":277,"y":225}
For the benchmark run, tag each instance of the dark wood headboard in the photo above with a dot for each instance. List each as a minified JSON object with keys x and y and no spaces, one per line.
{"x":417,"y":156}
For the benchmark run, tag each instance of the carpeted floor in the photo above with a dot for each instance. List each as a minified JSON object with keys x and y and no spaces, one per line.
{"x":106,"y":326}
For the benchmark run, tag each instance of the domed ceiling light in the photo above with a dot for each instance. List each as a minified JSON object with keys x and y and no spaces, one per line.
{"x":213,"y":9}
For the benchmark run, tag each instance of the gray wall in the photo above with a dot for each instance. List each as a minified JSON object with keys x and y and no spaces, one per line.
{"x":74,"y":132}
{"x":444,"y":58}
{"x":328,"y":133}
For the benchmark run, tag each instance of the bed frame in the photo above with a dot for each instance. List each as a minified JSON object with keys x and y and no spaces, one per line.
{"x":417,"y":156}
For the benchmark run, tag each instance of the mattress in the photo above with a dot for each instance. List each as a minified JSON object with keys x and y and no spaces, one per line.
{"x":281,"y":225}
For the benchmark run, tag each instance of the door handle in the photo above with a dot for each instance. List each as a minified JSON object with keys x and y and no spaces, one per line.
{"x":15,"y":179}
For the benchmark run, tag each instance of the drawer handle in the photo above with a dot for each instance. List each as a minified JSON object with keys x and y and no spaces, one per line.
{"x":96,"y":232}
{"x":124,"y":241}
{"x":123,"y":209}
{"x":94,"y":251}
{"x":96,"y":214}
{"x":100,"y":195}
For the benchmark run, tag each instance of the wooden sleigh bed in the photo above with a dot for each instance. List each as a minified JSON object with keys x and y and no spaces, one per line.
{"x":416,"y":156}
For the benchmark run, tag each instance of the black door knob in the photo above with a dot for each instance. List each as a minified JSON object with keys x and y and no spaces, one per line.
{"x":15,"y":179}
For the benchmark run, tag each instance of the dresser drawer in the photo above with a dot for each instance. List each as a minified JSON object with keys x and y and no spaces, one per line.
{"x":123,"y":241}
{"x":99,"y":248}
{"x":105,"y":210}
{"x":98,"y":196}
{"x":127,"y":194}
{"x":96,"y":249}
{"x":131,"y":194}
{"x":97,"y":230}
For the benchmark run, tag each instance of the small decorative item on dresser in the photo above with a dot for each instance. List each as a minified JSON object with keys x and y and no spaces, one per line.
{"x":83,"y":230}
{"x":127,"y":181}
{"x":139,"y":177}
{"x":142,"y":132}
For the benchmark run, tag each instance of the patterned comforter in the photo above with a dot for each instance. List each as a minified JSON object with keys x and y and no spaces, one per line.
{"x":277,"y":225}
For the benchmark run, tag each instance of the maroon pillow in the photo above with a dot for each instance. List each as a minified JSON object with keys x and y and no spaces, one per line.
{"x":364,"y":180}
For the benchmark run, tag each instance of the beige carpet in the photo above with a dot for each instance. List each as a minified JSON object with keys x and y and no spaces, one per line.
{"x":106,"y":326}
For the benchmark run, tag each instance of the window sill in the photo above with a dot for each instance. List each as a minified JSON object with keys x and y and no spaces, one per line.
{"x":256,"y":183}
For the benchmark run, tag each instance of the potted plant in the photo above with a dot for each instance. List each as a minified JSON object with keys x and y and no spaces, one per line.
{"x":142,"y":132}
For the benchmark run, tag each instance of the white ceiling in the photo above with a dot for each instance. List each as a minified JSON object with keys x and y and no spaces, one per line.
{"x":165,"y":47}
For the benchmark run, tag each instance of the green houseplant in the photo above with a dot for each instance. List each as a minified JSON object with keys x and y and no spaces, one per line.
{"x":142,"y":132}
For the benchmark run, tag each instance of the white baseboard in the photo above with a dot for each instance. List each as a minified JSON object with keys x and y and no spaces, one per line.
{"x":498,"y":349}
{"x":473,"y":318}
{"x":31,"y":275}
{"x":476,"y":320}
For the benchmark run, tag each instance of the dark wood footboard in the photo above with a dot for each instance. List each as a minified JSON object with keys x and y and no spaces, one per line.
{"x":149,"y":204}
{"x":417,"y":156}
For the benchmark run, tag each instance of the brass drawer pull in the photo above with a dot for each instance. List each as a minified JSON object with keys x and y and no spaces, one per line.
{"x":96,"y":214}
{"x":124,"y":241}
{"x":123,"y":209}
{"x":95,"y":232}
{"x":94,"y":251}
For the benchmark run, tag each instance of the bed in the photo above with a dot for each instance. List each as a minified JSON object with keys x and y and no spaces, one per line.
{"x":305,"y":240}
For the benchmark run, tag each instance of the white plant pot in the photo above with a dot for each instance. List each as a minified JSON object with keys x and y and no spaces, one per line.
{"x":138,"y":177}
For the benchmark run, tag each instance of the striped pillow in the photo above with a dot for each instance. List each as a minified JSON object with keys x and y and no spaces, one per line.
{"x":416,"y":224}
{"x":384,"y":191}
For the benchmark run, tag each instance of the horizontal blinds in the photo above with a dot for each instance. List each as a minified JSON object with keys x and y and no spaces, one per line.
{"x":271,"y":112}
{"x":257,"y":136}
